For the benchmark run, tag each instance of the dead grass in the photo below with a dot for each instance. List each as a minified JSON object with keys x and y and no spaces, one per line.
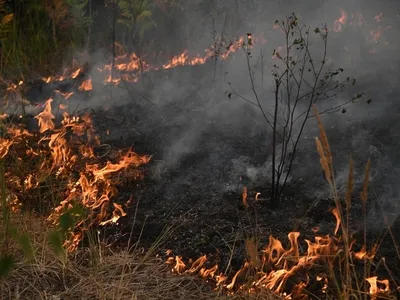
{"x":101,"y":273}
{"x":349,"y":284}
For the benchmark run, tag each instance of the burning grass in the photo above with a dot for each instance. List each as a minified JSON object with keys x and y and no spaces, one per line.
{"x":329,"y":267}
{"x":57,"y":168}
{"x":95,"y":272}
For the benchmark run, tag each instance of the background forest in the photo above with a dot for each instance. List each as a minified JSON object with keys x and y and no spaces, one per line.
{"x":36,"y":36}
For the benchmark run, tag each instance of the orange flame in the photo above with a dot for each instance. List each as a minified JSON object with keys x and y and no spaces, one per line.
{"x":244,"y":197}
{"x":340,"y":22}
{"x":76,"y":73}
{"x":45,"y":118}
{"x":378,"y":18}
{"x":4,"y":147}
{"x":86,"y":85}
{"x":335,"y":212}
{"x":374,"y":289}
{"x":67,"y":152}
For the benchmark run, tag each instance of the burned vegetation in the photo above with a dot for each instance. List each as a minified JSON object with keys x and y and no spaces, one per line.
{"x":244,"y":163}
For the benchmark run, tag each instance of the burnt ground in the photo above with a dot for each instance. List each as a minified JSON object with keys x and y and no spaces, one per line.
{"x":198,"y":191}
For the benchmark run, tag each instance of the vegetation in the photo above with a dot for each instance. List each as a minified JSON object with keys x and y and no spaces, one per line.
{"x":302,"y":78}
{"x":37,"y":35}
{"x":63,"y":182}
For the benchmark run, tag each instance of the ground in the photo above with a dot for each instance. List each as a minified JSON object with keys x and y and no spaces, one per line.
{"x":190,"y":200}
{"x":200,"y":196}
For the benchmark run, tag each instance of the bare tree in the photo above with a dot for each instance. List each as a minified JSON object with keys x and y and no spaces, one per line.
{"x":301,"y":79}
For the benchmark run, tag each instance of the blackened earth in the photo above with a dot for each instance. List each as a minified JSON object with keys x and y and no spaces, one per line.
{"x":200,"y":164}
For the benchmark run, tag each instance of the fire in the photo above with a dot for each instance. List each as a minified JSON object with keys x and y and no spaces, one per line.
{"x":378,"y":18}
{"x":4,"y":147}
{"x":66,"y":96}
{"x":68,"y":152}
{"x":275,"y":266}
{"x":64,"y":150}
{"x":363,"y":254}
{"x":179,"y":60}
{"x":130,"y":158}
{"x":244,"y":196}
{"x":291,"y":272}
{"x":110,"y":79}
{"x":336,"y":213}
{"x":374,"y":289}
{"x":76,"y":73}
{"x":233,"y":47}
{"x":45,"y":118}
{"x":132,"y":64}
{"x":340,"y":22}
{"x":86,"y":85}
{"x":66,"y":74}
{"x":129,"y":67}
{"x":376,"y":35}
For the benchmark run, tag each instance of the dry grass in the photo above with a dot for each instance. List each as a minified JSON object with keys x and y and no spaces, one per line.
{"x":102,"y":272}
{"x":349,"y":285}
{"x":96,"y":273}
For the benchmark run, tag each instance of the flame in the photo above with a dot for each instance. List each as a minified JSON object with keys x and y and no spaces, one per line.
{"x":364,"y":254}
{"x":179,"y":60}
{"x":128,"y":67}
{"x":130,"y":158}
{"x":65,"y":151}
{"x":244,"y":197}
{"x":183,"y":60}
{"x":45,"y":118}
{"x":233,"y":47}
{"x":377,"y":34}
{"x":66,"y":96}
{"x":379,"y":17}
{"x":76,"y":73}
{"x":94,"y":187}
{"x":276,"y":266}
{"x":4,"y":147}
{"x":86,"y":85}
{"x":180,"y":266}
{"x":374,"y":289}
{"x":133,"y":63}
{"x":206,"y":273}
{"x":197,"y":265}
{"x":112,"y":80}
{"x":336,"y":213}
{"x":340,"y":22}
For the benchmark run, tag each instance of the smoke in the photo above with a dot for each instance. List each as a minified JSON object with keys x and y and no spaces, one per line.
{"x":207,"y":133}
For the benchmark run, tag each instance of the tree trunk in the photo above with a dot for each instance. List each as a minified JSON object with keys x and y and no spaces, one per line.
{"x":275,"y":182}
